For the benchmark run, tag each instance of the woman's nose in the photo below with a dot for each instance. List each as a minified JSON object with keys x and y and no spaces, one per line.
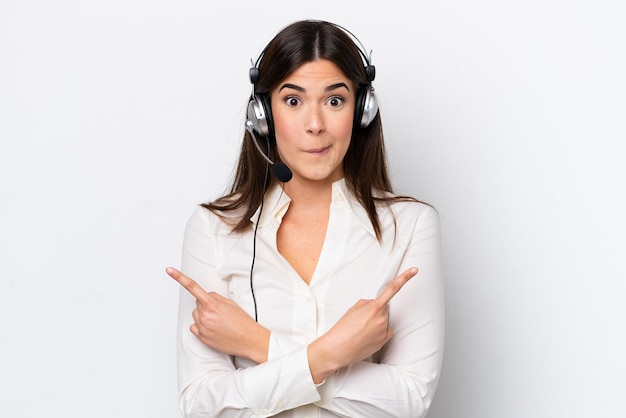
{"x":315,"y":121}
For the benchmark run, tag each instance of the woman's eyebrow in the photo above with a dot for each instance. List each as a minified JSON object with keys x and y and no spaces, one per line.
{"x":302,"y":89}
{"x":336,"y":86}
{"x":291,"y":86}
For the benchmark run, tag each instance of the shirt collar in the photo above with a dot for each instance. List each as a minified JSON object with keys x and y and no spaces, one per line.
{"x":275,"y":205}
{"x":277,"y":202}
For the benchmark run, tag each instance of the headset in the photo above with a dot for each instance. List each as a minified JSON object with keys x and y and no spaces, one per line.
{"x":260,"y":112}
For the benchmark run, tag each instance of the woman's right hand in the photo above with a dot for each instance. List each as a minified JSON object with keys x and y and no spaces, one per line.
{"x":359,"y":333}
{"x":221,"y":324}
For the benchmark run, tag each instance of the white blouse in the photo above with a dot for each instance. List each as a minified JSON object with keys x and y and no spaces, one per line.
{"x":399,"y":381}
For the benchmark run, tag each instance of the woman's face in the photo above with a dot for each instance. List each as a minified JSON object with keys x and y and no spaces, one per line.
{"x":313,"y":110}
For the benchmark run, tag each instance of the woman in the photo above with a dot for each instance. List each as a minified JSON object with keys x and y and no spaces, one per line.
{"x":301,"y":302}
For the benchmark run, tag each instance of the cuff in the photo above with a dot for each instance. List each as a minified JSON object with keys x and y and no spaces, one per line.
{"x":278,"y":385}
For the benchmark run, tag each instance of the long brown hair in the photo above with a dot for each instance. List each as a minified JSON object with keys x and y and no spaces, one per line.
{"x":365,"y":165}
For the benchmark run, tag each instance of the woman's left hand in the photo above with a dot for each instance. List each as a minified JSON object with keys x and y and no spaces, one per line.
{"x":221,"y":324}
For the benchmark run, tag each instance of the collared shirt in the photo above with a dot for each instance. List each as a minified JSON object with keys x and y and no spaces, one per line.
{"x":398,"y":381}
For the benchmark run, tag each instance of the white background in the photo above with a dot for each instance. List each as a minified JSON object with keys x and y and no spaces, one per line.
{"x":118,"y":117}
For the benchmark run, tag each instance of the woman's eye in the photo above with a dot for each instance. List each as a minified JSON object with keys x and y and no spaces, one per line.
{"x":292,"y":101}
{"x":335,"y":101}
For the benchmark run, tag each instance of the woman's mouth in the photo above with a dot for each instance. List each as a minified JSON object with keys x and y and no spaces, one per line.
{"x":318,"y":151}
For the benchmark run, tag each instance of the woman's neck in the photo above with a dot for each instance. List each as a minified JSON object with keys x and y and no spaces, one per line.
{"x":310,"y":193}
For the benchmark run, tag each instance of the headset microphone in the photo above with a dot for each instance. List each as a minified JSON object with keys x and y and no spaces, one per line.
{"x":279,"y":169}
{"x":282,"y":172}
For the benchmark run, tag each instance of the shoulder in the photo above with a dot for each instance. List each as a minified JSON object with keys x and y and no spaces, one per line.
{"x":404,"y":218}
{"x":407,"y":207}
{"x":207,"y":221}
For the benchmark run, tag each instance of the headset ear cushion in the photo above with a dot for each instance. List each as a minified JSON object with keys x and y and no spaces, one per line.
{"x":358,"y":109}
{"x":260,"y":115}
{"x":366,"y":107}
{"x":267,"y":106}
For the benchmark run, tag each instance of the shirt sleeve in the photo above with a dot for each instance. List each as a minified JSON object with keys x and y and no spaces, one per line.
{"x":210,"y":385}
{"x":404,"y":382}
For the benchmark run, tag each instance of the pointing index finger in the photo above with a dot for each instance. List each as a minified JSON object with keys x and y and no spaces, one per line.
{"x":395,"y":285}
{"x":187,"y":282}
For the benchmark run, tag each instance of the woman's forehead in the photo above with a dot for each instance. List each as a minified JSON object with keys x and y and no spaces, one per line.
{"x":321,"y":72}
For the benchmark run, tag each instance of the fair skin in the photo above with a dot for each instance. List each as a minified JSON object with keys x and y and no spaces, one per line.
{"x":313,"y":110}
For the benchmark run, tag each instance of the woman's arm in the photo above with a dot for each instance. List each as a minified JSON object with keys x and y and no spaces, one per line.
{"x":210,"y":384}
{"x":404,"y":383}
